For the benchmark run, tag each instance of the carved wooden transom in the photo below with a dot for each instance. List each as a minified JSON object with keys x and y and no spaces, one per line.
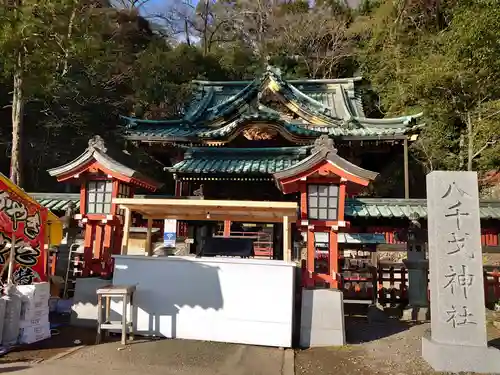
{"x":259,"y":133}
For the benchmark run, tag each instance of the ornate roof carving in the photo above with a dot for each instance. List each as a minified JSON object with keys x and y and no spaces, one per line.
{"x":97,"y":143}
{"x":331,"y":107}
{"x":324,"y":143}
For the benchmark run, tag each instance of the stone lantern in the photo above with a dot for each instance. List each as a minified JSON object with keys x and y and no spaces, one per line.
{"x":417,"y":266}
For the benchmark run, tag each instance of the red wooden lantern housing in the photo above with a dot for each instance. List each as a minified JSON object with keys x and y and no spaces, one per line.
{"x":103,"y":173}
{"x":323,"y":180}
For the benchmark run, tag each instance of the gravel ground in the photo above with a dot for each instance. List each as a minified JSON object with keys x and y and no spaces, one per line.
{"x":383,"y":348}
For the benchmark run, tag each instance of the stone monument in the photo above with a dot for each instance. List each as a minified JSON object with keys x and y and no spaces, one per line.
{"x":458,"y":324}
{"x":417,"y":265}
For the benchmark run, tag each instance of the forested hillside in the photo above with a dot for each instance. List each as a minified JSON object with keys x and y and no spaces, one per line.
{"x":71,"y":67}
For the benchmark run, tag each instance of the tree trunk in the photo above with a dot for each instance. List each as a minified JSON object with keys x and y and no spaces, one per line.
{"x":186,"y":32}
{"x":205,"y":30}
{"x":470,"y":145}
{"x":17,"y":122}
{"x":68,"y":38}
{"x":461,"y":145}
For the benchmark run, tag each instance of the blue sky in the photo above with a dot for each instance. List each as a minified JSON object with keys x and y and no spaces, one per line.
{"x":155,"y":6}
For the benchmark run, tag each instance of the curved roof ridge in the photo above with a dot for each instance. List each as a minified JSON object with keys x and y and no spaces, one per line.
{"x":391,"y":121}
{"x":134,"y":121}
{"x":234,"y":100}
{"x":300,"y":94}
{"x":291,"y":93}
{"x":348,"y":114}
{"x":201,"y":106}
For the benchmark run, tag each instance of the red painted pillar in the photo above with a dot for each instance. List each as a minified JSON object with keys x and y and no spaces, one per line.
{"x":106,"y":259}
{"x":98,"y":242}
{"x":334,"y":258}
{"x":227,"y":228}
{"x":311,"y":250}
{"x":88,"y":249}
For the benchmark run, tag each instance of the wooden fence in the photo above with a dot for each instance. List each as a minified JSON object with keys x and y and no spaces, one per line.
{"x":388,"y":284}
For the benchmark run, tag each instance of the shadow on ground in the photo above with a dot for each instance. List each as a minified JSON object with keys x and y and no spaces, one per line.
{"x":64,"y":337}
{"x":12,"y":369}
{"x":359,"y":330}
{"x":495,"y":343}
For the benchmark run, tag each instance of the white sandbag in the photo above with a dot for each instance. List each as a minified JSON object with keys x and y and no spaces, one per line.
{"x":11,"y":319}
{"x":34,"y":333}
{"x":35,"y":294}
{"x":35,"y":300}
{"x":34,"y":311}
{"x":43,"y":320}
{"x":3,"y":304}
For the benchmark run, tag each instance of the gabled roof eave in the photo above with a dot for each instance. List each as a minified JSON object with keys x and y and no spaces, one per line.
{"x":67,"y":168}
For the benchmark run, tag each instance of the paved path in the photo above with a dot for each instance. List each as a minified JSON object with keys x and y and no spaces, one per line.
{"x":165,"y":357}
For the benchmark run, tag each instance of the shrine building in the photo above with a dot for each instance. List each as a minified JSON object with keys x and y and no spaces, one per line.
{"x":270,"y":139}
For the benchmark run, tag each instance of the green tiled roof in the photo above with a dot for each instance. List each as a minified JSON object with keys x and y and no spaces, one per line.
{"x":403,"y":208}
{"x":239,"y":160}
{"x":355,"y":208}
{"x":337,"y":103}
{"x":170,"y":132}
{"x":380,"y":131}
{"x":57,"y":202}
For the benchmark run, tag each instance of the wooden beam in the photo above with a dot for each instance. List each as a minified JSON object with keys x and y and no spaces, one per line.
{"x":221,"y":217}
{"x":287,"y":251}
{"x":126,"y":230}
{"x":149,"y":245}
{"x":204,"y":203}
{"x":406,"y":169}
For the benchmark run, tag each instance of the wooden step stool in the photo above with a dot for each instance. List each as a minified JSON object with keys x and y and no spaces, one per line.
{"x":126,"y":325}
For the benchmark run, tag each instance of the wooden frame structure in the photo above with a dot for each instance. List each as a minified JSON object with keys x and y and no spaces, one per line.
{"x":204,"y":210}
